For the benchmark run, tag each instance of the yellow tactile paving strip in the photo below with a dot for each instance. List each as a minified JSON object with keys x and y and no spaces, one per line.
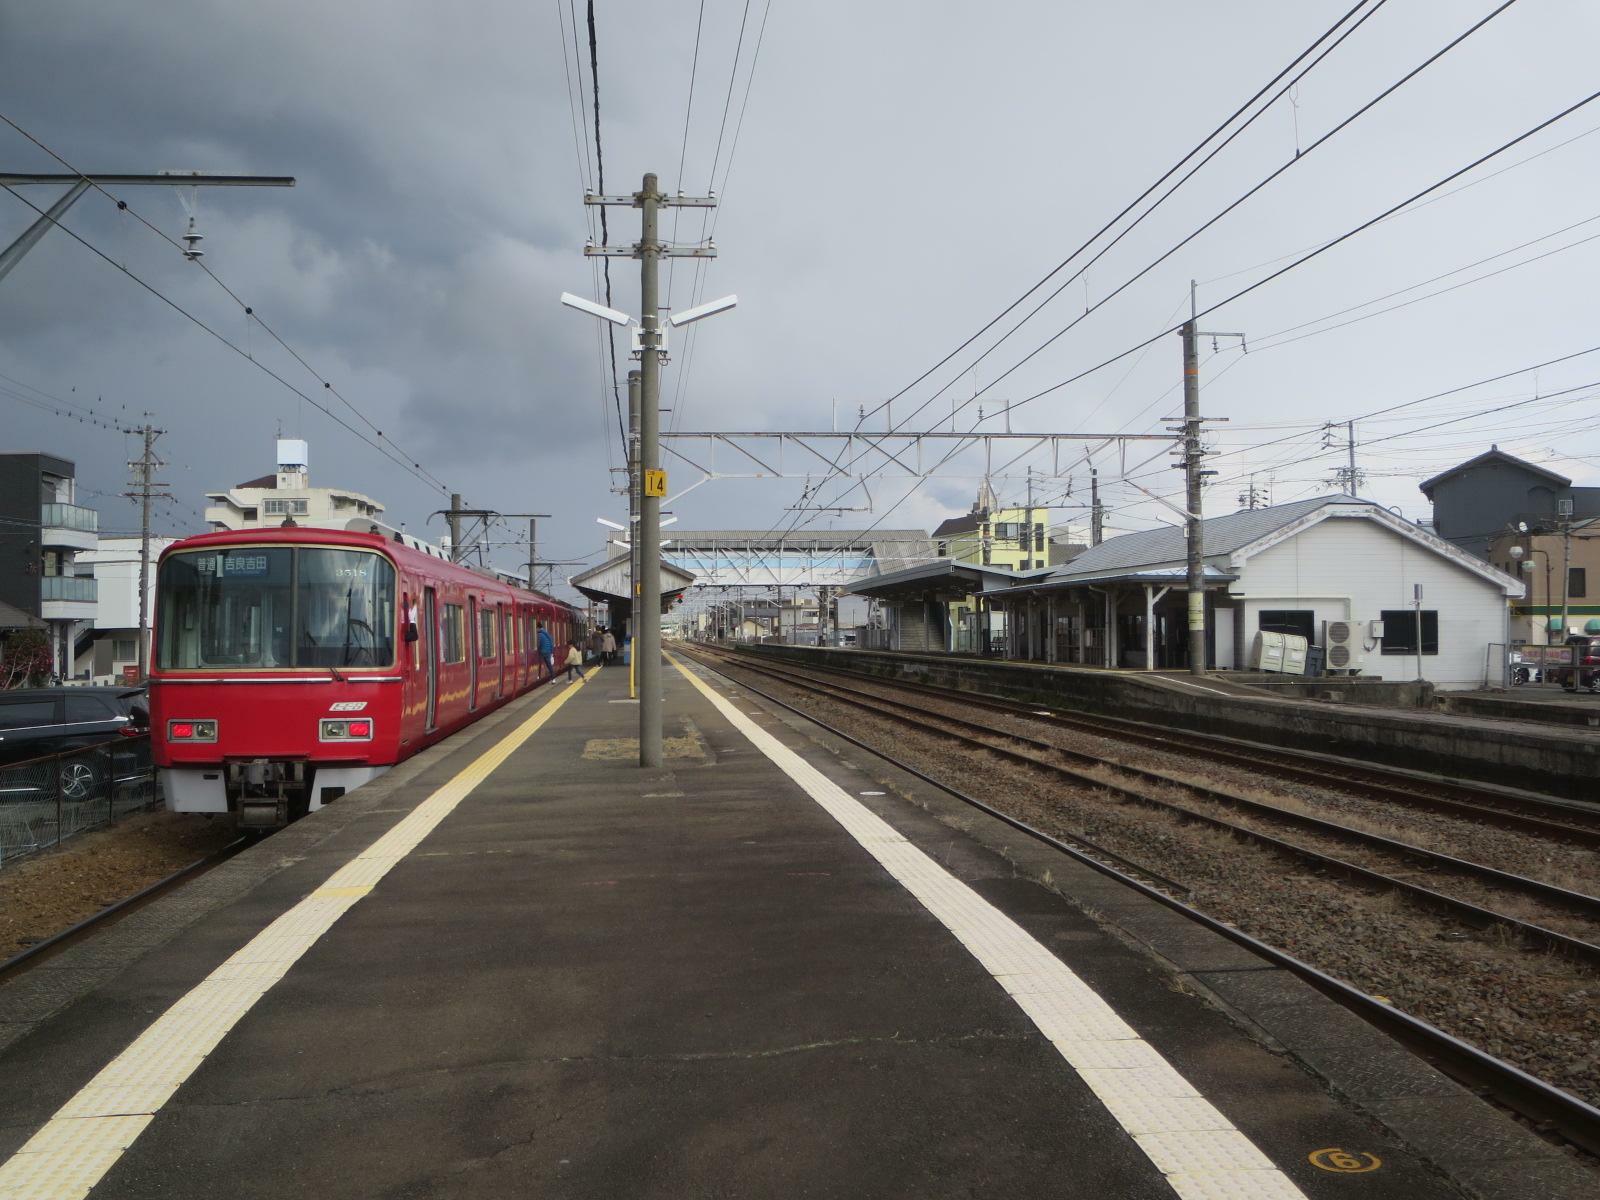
{"x":87,"y":1135}
{"x":1196,"y":1149}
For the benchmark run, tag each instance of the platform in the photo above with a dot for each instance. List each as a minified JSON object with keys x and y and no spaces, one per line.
{"x":520,"y":966}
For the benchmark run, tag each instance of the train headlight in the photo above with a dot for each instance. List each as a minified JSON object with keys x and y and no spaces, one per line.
{"x":191,"y":731}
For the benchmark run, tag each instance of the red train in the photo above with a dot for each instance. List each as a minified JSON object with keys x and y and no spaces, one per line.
{"x":294,"y":664}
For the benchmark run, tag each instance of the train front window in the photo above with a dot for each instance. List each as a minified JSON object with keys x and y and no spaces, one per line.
{"x":226,"y":608}
{"x":276,"y":607}
{"x":346,"y":611}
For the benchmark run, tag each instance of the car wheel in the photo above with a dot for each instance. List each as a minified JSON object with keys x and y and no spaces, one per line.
{"x":78,"y":780}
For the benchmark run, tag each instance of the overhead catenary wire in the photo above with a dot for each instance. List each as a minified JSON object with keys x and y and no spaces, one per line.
{"x":683,"y":148}
{"x":1174,"y":169}
{"x":250,"y":313}
{"x":709,"y":220}
{"x":1262,"y":282}
{"x":413,"y":468}
{"x":1257,"y":187}
{"x":605,"y":233}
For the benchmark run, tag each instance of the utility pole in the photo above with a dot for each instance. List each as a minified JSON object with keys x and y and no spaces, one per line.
{"x":1348,"y":478}
{"x":1096,"y":513}
{"x":652,"y":349}
{"x":454,"y":517}
{"x":144,"y":488}
{"x":635,"y":484}
{"x":1194,"y":479}
{"x":1564,"y":508}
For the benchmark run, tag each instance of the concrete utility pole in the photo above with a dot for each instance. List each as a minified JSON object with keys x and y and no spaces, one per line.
{"x":1194,"y":479}
{"x":1196,"y":577}
{"x":1096,"y":513}
{"x":650,"y":480}
{"x":145,"y":488}
{"x":1564,"y":508}
{"x":635,"y":495}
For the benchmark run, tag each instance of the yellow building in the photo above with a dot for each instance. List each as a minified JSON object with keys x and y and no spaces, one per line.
{"x":1014,"y":539}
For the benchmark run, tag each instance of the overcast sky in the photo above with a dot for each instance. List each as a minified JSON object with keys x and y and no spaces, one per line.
{"x":903,"y":172}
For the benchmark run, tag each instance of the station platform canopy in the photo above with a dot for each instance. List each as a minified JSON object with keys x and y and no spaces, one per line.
{"x":612,"y":583}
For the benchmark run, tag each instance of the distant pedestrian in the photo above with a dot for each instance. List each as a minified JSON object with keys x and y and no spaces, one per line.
{"x":596,"y":642}
{"x":609,"y":647}
{"x":547,"y":651}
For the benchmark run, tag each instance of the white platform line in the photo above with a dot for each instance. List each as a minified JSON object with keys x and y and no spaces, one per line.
{"x":1198,"y":1151}
{"x":87,"y":1135}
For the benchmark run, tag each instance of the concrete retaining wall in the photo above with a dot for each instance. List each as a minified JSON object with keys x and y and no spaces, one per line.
{"x":1556,"y":761}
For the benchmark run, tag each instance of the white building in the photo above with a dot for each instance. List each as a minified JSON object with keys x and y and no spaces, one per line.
{"x":1291,"y":568}
{"x":114,"y":646}
{"x":288,"y":494}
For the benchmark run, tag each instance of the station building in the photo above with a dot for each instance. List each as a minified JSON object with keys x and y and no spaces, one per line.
{"x":1290,"y":568}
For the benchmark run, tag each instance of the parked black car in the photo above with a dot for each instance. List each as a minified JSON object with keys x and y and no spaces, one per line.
{"x":35,"y":722}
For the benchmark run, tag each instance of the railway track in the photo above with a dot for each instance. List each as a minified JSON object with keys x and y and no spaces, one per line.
{"x":1138,"y":784}
{"x":38,"y":952}
{"x":1549,"y":1107}
{"x":1569,"y":821}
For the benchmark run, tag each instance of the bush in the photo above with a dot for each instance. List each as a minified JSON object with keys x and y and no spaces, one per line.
{"x":24,"y":659}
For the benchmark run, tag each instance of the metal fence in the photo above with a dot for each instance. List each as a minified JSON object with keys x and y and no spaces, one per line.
{"x":44,"y":801}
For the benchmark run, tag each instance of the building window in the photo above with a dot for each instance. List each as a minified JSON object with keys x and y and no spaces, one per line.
{"x":284,"y":508}
{"x":1038,"y":535}
{"x":250,"y":514}
{"x":1400,"y":631}
{"x":1299,"y":621}
{"x":1577,"y":583}
{"x":124,"y":650}
{"x":944,"y":549}
{"x":452,"y":645}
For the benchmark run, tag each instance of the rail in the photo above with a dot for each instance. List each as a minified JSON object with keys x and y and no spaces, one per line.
{"x":1526,"y":1094}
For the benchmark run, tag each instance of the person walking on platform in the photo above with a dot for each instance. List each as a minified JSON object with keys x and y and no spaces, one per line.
{"x":596,"y":643}
{"x":609,"y":647}
{"x":574,"y":661}
{"x":547,"y":650}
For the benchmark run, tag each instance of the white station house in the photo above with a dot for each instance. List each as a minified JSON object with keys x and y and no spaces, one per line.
{"x":1291,"y":568}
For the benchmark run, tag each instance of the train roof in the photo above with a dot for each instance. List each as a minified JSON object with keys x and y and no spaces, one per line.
{"x":402,"y":548}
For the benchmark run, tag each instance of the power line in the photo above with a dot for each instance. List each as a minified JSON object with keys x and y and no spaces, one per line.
{"x":600,"y":187}
{"x":702,"y":267}
{"x":414,"y":468}
{"x":683,"y":149}
{"x":249,"y":310}
{"x":1454,"y":175}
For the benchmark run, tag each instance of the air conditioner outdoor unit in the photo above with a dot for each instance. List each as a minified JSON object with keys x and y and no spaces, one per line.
{"x":1342,"y":641}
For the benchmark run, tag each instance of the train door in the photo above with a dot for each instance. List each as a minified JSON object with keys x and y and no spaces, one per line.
{"x":429,"y":632}
{"x":472,"y":652}
{"x":503,"y":652}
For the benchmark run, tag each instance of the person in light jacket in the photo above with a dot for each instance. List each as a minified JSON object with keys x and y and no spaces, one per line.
{"x":574,"y":661}
{"x":610,"y":648}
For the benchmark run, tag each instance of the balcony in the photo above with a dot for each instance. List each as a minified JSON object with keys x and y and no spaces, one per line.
{"x":68,"y":527}
{"x":67,"y":598}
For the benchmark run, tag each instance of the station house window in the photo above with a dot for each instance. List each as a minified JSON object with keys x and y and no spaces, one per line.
{"x":1577,"y":583}
{"x":1400,"y":631}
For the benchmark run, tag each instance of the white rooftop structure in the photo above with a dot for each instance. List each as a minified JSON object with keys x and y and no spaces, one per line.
{"x":287,"y":493}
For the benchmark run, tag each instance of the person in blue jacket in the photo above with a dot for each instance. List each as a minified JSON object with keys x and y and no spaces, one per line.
{"x":547,"y":649}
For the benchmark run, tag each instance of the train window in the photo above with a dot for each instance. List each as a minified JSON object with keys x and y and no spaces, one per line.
{"x":452,"y":640}
{"x":345,"y":609}
{"x":231,"y":607}
{"x":485,"y":632}
{"x":276,"y":607}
